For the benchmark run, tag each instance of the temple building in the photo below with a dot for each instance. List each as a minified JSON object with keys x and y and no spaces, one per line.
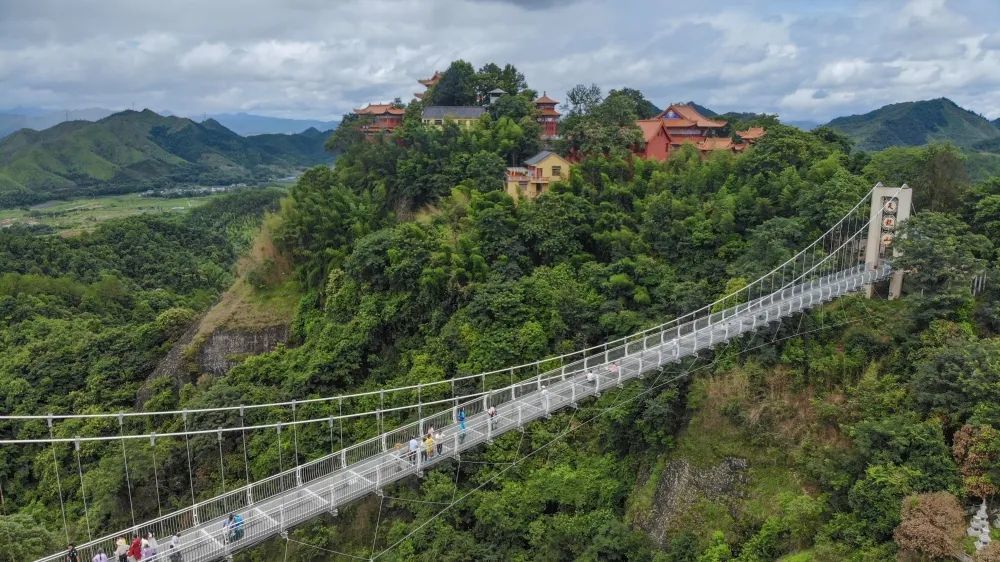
{"x":428,"y":83}
{"x":465,"y":116}
{"x":682,"y":124}
{"x":533,"y":178}
{"x":380,"y":117}
{"x":548,"y":117}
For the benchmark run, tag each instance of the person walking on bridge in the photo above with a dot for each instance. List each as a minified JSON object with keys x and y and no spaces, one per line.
{"x":154,"y":547}
{"x":100,"y":556}
{"x":175,"y":549}
{"x":135,"y":549}
{"x":493,"y":417}
{"x":121,"y":549}
{"x":71,"y":553}
{"x":429,"y":446}
{"x":414,"y":447}
{"x":439,"y":439}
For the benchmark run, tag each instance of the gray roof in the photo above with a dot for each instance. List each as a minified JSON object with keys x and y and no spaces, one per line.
{"x":538,"y":157}
{"x":497,"y":91}
{"x":453,"y":112}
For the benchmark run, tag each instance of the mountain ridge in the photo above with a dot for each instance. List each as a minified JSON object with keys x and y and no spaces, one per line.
{"x":241,"y":123}
{"x":915,"y":123}
{"x":137,"y":150}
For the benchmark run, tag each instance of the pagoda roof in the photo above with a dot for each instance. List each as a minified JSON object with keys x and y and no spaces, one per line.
{"x":650,"y":127}
{"x":432,"y":80}
{"x":380,"y":109}
{"x":682,"y":111}
{"x":549,"y":112}
{"x":453,"y":112}
{"x":545,"y":99}
{"x":496,"y":91}
{"x":753,"y":133}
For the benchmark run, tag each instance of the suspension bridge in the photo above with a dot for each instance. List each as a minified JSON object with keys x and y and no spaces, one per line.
{"x":467,"y":411}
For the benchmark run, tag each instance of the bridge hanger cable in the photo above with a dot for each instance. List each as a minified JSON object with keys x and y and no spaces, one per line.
{"x":83,"y":490}
{"x":62,"y":505}
{"x":756,"y":283}
{"x":128,"y":478}
{"x":156,"y":475}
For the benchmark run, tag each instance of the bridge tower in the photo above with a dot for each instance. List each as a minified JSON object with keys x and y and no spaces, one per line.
{"x":890,"y":207}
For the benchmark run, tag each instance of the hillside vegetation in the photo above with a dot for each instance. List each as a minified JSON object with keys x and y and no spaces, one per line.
{"x":133,"y":151}
{"x":916,"y":123}
{"x":812,"y":439}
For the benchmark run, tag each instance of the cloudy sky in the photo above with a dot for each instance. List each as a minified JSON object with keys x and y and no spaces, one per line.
{"x":318,"y":58}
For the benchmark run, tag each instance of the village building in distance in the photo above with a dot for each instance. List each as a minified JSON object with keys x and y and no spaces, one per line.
{"x":681,"y":124}
{"x":533,"y":178}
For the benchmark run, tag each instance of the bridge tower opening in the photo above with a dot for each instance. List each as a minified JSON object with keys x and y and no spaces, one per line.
{"x":890,"y":207}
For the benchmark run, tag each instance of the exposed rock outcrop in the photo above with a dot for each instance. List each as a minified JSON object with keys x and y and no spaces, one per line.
{"x":224,"y":348}
{"x":681,"y":486}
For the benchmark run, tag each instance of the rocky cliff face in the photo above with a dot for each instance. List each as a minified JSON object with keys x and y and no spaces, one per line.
{"x":224,"y":348}
{"x":681,"y":485}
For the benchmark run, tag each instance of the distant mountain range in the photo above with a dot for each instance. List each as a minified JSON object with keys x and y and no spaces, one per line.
{"x":240,"y":123}
{"x":918,"y":122}
{"x":249,"y":124}
{"x":138,"y":150}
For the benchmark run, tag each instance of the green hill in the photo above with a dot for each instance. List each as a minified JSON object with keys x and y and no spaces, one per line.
{"x":138,"y":150}
{"x":916,"y":123}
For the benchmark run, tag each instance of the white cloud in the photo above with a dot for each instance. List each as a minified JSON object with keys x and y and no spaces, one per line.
{"x":320,"y":59}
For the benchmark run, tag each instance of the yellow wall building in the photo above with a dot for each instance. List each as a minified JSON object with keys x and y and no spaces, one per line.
{"x":533,"y":179}
{"x":462,"y":115}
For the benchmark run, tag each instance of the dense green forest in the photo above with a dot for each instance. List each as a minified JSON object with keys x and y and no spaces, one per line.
{"x":416,"y":266}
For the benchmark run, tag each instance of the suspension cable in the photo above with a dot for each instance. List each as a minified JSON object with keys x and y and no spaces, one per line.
{"x":83,"y":490}
{"x":810,"y":248}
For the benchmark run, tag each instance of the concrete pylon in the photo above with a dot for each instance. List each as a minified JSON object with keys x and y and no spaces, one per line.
{"x":890,"y":207}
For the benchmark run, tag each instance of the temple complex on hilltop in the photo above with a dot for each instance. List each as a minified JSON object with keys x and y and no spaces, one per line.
{"x":380,"y":117}
{"x":383,"y":117}
{"x":681,"y":124}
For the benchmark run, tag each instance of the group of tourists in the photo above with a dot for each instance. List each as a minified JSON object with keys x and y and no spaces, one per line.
{"x":425,"y":445}
{"x":141,"y":548}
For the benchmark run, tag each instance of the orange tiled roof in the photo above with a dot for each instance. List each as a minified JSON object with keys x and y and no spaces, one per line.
{"x":678,"y":123}
{"x":650,"y":127}
{"x":550,"y":112}
{"x":716,"y":143}
{"x":753,"y":133}
{"x":689,"y":113}
{"x":380,"y":109}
